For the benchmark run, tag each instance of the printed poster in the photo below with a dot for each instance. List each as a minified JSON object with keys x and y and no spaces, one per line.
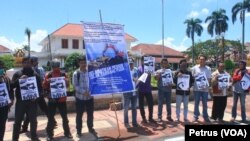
{"x":107,"y":58}
{"x":4,"y":95}
{"x":149,"y":64}
{"x":223,"y":81}
{"x":183,"y":82}
{"x":28,"y":88}
{"x":167,"y":78}
{"x":245,"y":82}
{"x":201,"y":81}
{"x":58,"y":87}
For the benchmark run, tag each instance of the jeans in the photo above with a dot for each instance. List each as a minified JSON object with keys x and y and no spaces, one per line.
{"x":128,"y":97}
{"x":197,"y":97}
{"x":179,"y":100}
{"x":149,"y":98}
{"x":242,"y":97}
{"x":81,"y":106}
{"x":20,"y":109}
{"x":3,"y":118}
{"x":63,"y":112}
{"x":161,"y":96}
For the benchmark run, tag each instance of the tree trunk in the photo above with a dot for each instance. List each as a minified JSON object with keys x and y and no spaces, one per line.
{"x":223,"y":50}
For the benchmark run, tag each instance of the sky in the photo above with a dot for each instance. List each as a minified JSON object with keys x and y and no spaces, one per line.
{"x":141,"y":18}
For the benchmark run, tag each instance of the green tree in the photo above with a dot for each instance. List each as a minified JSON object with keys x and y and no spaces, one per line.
{"x":8,"y":61}
{"x":217,"y":22}
{"x":70,"y":62}
{"x":241,"y":8}
{"x":28,"y":33}
{"x":193,"y":26}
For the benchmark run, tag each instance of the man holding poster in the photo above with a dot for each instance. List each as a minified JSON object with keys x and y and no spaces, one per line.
{"x":202,"y":74}
{"x":164,"y":83}
{"x":6,"y":99}
{"x":184,"y":81}
{"x":220,"y":84}
{"x":107,"y":58}
{"x":55,"y":84}
{"x":27,"y":85}
{"x":239,"y":92}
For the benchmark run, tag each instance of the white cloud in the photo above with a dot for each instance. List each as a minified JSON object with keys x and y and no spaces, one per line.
{"x":204,"y":25}
{"x":205,"y":11}
{"x":247,"y":14}
{"x":35,"y":38}
{"x":193,"y":14}
{"x":169,"y":43}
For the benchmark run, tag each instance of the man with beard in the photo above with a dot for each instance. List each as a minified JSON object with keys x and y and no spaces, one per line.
{"x":25,"y":106}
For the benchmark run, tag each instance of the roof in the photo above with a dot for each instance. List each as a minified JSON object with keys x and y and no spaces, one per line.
{"x":4,"y":49}
{"x":170,"y":60}
{"x":76,"y":30}
{"x":156,"y":50}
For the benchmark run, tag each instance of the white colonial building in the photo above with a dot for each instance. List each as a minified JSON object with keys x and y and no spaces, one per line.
{"x":64,"y":41}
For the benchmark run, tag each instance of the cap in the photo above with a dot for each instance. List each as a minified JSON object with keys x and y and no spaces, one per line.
{"x":55,"y":63}
{"x":34,"y":59}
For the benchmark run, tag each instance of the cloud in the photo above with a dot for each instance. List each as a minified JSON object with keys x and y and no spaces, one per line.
{"x":195,"y":14}
{"x":247,"y":14}
{"x":205,"y":11}
{"x":169,"y":43}
{"x":204,"y":25}
{"x":35,"y":38}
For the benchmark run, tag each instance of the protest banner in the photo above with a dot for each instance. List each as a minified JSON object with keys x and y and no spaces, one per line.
{"x":28,"y":88}
{"x":201,"y":81}
{"x":107,"y":58}
{"x":4,"y":95}
{"x":58,"y":87}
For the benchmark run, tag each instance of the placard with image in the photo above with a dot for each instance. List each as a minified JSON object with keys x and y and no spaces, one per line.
{"x":4,"y":95}
{"x":28,"y":88}
{"x":183,"y":82}
{"x":58,"y":87}
{"x":167,"y":78}
{"x":201,"y":81}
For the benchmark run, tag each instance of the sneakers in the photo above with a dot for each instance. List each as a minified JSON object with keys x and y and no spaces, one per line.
{"x":144,"y":121}
{"x":23,"y":130}
{"x":50,"y":139}
{"x":152,"y":121}
{"x":159,"y":120}
{"x":68,"y":136}
{"x":195,"y":120}
{"x":207,"y":120}
{"x":79,"y":135}
{"x":127,"y":125}
{"x":232,"y":119}
{"x":177,"y":120}
{"x":170,"y":119}
{"x":186,"y":120}
{"x":92,"y":131}
{"x":136,"y":125}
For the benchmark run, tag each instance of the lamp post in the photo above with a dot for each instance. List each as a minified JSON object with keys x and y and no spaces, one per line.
{"x":162,"y":4}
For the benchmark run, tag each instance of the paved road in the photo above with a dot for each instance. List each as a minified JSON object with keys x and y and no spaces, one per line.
{"x":106,"y":126}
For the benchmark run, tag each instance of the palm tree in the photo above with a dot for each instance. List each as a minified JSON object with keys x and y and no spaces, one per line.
{"x":193,"y":26}
{"x":241,"y":7}
{"x":218,"y":24}
{"x":28,"y":33}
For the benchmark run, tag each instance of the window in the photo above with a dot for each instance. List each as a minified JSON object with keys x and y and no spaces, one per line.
{"x":83,"y":44}
{"x":64,"y":43}
{"x":75,"y":44}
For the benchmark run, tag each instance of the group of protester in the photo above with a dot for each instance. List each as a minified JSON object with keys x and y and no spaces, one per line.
{"x":28,"y":107}
{"x":85,"y":101}
{"x":144,"y":89}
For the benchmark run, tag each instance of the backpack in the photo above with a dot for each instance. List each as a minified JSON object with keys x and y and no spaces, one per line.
{"x":78,"y":76}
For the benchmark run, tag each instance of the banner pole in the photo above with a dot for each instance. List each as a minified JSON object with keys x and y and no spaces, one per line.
{"x":118,"y":127}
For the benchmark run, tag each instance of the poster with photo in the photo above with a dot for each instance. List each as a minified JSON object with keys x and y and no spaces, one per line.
{"x":183,"y":82}
{"x":167,"y":78}
{"x":201,"y":81}
{"x":223,"y":81}
{"x":149,"y":64}
{"x":4,"y":95}
{"x":245,"y":82}
{"x":107,"y":58}
{"x":58,"y":87}
{"x":28,"y":88}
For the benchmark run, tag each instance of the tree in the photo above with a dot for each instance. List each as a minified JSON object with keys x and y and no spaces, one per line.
{"x":28,"y":33}
{"x":218,"y":24}
{"x":241,"y":7}
{"x":193,"y":26}
{"x":71,"y":61}
{"x":8,"y":61}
